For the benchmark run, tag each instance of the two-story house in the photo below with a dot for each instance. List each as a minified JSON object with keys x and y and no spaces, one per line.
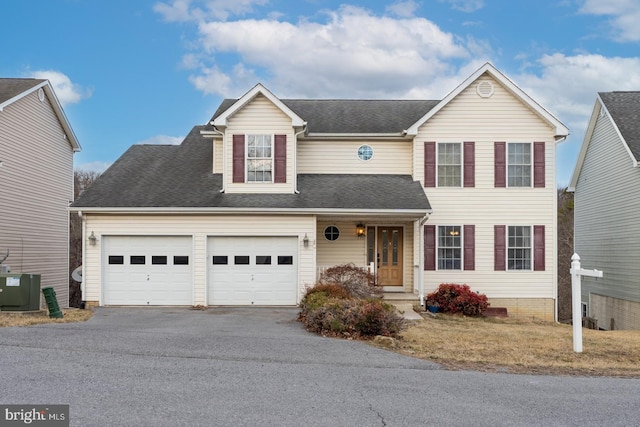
{"x":36,"y":182}
{"x":252,"y":206}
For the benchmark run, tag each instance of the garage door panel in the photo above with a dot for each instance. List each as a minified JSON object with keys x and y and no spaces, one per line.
{"x":252,"y":274}
{"x":142,"y":270}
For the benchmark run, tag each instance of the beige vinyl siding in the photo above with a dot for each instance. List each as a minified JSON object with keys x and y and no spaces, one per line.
{"x":199,"y":227}
{"x":259,"y":116}
{"x":351,"y":249}
{"x":607,"y":229}
{"x":502,"y":117}
{"x":341,"y":156}
{"x":37,"y":186}
{"x":217,"y":156}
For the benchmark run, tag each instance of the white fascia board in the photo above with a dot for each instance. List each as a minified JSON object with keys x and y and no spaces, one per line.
{"x":224,"y":211}
{"x":221,"y":120}
{"x":318,"y":135}
{"x":560,"y":129}
{"x":634,"y":161}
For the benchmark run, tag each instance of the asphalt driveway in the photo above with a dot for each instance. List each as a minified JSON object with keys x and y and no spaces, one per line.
{"x":257,"y":366}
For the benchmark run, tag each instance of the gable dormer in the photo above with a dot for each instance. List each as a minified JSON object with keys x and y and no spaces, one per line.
{"x":257,"y":146}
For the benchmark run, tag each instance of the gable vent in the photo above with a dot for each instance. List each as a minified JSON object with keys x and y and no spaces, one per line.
{"x":485,"y":89}
{"x":41,"y":95}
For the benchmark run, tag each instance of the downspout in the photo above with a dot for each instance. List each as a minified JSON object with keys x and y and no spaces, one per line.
{"x":224,"y":157}
{"x":295,"y":158}
{"x":84,"y":257}
{"x":421,"y":260}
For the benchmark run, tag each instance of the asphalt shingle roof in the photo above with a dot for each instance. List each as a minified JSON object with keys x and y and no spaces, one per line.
{"x":12,"y":87}
{"x":172,"y":176}
{"x":624,"y":108}
{"x":353,"y":116}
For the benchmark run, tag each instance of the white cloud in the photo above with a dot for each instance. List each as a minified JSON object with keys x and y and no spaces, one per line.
{"x":467,"y":6}
{"x":625,"y":17}
{"x":162,"y":140}
{"x":66,"y":91}
{"x":188,"y":10}
{"x":404,"y":9}
{"x":98,"y":167}
{"x":332,"y":58}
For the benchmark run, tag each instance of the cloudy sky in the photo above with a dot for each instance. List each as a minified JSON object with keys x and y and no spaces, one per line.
{"x":146,"y":71}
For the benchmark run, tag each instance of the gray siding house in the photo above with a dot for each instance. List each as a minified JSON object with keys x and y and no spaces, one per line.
{"x":36,"y":171}
{"x":607,"y":226}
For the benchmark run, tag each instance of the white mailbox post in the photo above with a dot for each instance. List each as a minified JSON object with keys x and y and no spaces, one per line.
{"x":576,"y":298}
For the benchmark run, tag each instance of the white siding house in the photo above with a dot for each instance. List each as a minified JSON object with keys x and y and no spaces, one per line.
{"x":36,"y":172}
{"x":454,"y":190}
{"x":606,"y":226}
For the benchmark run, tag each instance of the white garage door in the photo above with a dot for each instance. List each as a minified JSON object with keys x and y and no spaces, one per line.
{"x":252,"y":270}
{"x":146,"y":270}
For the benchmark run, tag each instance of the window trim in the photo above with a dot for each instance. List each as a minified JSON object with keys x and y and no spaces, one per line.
{"x":247,"y":159}
{"x":460,"y":164}
{"x":508,"y":164}
{"x":460,"y":247}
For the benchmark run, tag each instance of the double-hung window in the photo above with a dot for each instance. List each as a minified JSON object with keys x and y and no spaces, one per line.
{"x":449,"y":164}
{"x":449,"y":247}
{"x":519,"y":171}
{"x":519,"y":248}
{"x":259,"y":158}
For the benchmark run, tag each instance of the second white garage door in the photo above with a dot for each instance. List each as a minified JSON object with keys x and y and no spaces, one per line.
{"x":252,"y":270}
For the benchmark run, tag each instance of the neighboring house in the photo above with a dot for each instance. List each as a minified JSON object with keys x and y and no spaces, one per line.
{"x":606,"y":225}
{"x":36,"y":180}
{"x":252,"y":206}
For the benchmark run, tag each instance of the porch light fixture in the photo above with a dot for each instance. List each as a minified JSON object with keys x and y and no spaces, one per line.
{"x":360,"y":230}
{"x":92,"y":239}
{"x":305,"y":241}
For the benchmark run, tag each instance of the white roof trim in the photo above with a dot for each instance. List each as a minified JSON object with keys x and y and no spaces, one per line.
{"x":57,"y":108}
{"x":560,"y":129}
{"x":308,"y":211}
{"x":221,"y":120}
{"x":598,"y":106}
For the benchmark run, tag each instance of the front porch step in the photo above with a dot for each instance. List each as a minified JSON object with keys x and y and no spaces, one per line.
{"x":401,"y":297}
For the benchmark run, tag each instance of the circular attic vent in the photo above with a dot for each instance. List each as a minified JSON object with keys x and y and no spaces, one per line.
{"x":485,"y":89}
{"x":41,"y":95}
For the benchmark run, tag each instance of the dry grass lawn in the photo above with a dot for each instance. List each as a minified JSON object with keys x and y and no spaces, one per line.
{"x":8,"y":318}
{"x":507,"y":345}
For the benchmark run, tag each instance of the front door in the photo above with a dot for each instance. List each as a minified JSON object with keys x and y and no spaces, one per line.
{"x":389,"y":256}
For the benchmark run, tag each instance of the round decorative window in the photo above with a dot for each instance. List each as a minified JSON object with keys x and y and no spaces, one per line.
{"x":365,"y":152}
{"x":331,"y":233}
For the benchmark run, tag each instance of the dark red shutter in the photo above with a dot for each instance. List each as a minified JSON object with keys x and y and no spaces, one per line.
{"x":469,"y":247}
{"x":538,"y":248}
{"x":238,"y":158}
{"x":538,"y":164}
{"x":499,"y":247}
{"x":429,"y":247}
{"x":500,"y":164}
{"x":280,"y":159}
{"x":469,"y":164}
{"x":429,"y":164}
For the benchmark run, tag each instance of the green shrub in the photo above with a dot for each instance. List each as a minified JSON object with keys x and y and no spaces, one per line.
{"x":358,"y":282}
{"x":452,"y":298}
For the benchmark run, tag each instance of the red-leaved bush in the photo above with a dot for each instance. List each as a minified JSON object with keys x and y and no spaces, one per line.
{"x":452,"y":298}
